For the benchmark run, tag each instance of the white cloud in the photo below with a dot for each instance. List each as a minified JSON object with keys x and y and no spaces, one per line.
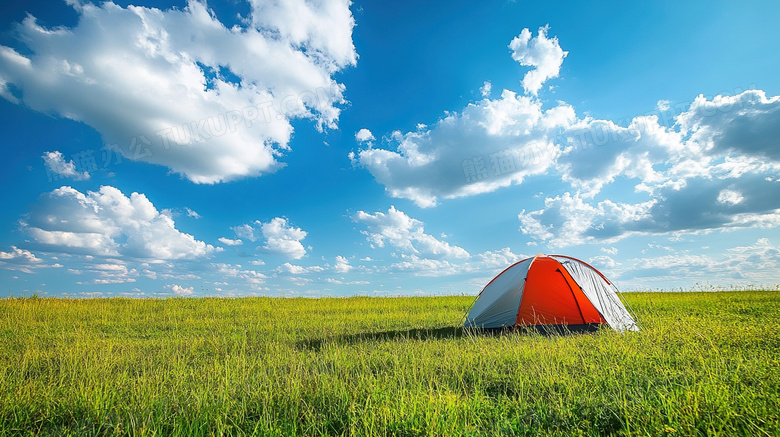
{"x":405,"y":233}
{"x":569,"y":220}
{"x":252,"y":278}
{"x":56,"y":164}
{"x":181,"y":291}
{"x":601,"y":261}
{"x":697,"y":205}
{"x":111,"y":272}
{"x":714,"y":170}
{"x":729,"y":197}
{"x":298,"y":270}
{"x":496,"y":143}
{"x":283,"y":239}
{"x":24,"y":261}
{"x":245,"y":231}
{"x":229,"y":242}
{"x":489,"y":145}
{"x":596,"y":152}
{"x":501,"y":258}
{"x":191,"y":213}
{"x":280,"y":237}
{"x":291,"y":268}
{"x":365,"y":136}
{"x":726,"y":137}
{"x":746,"y":124}
{"x":751,"y":265}
{"x":491,"y":262}
{"x":426,"y":266}
{"x":179,"y":89}
{"x":323,"y":28}
{"x":19,"y":254}
{"x":111,"y":267}
{"x":485,"y":89}
{"x":694,"y":268}
{"x":342,"y":265}
{"x":610,"y":250}
{"x":545,"y":54}
{"x":757,"y":263}
{"x":108,"y":223}
{"x":339,"y":282}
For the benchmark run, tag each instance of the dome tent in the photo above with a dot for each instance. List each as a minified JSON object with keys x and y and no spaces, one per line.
{"x":550,"y":290}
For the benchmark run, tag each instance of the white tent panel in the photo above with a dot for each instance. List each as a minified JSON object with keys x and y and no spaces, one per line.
{"x":499,"y":301}
{"x":601,"y":294}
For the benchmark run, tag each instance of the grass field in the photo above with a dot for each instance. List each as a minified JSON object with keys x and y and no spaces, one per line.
{"x":704,"y":364}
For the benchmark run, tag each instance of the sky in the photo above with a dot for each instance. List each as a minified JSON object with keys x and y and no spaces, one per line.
{"x":335,"y":148}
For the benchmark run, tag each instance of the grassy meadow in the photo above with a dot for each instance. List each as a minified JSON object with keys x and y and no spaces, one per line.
{"x":704,"y":364}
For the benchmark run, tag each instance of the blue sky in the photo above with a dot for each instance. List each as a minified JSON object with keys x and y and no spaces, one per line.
{"x":329,"y":148}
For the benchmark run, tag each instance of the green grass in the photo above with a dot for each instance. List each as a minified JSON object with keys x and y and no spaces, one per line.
{"x":704,"y":364}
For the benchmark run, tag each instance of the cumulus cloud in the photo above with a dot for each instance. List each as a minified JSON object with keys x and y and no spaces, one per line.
{"x":404,"y":233}
{"x":56,"y":165}
{"x":542,"y":53}
{"x":485,"y":89}
{"x":725,"y":137}
{"x":364,"y":136}
{"x":181,"y":291}
{"x":278,"y":235}
{"x":715,"y":168}
{"x":108,"y":223}
{"x":177,"y":88}
{"x":342,"y":265}
{"x":489,"y":145}
{"x":283,"y":239}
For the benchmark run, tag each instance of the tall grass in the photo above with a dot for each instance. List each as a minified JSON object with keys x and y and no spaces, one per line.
{"x":704,"y":364}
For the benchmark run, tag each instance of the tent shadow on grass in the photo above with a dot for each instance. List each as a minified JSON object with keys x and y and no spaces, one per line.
{"x":315,"y":344}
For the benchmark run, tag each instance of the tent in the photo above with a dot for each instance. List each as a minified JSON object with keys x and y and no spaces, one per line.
{"x":550,"y":291}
